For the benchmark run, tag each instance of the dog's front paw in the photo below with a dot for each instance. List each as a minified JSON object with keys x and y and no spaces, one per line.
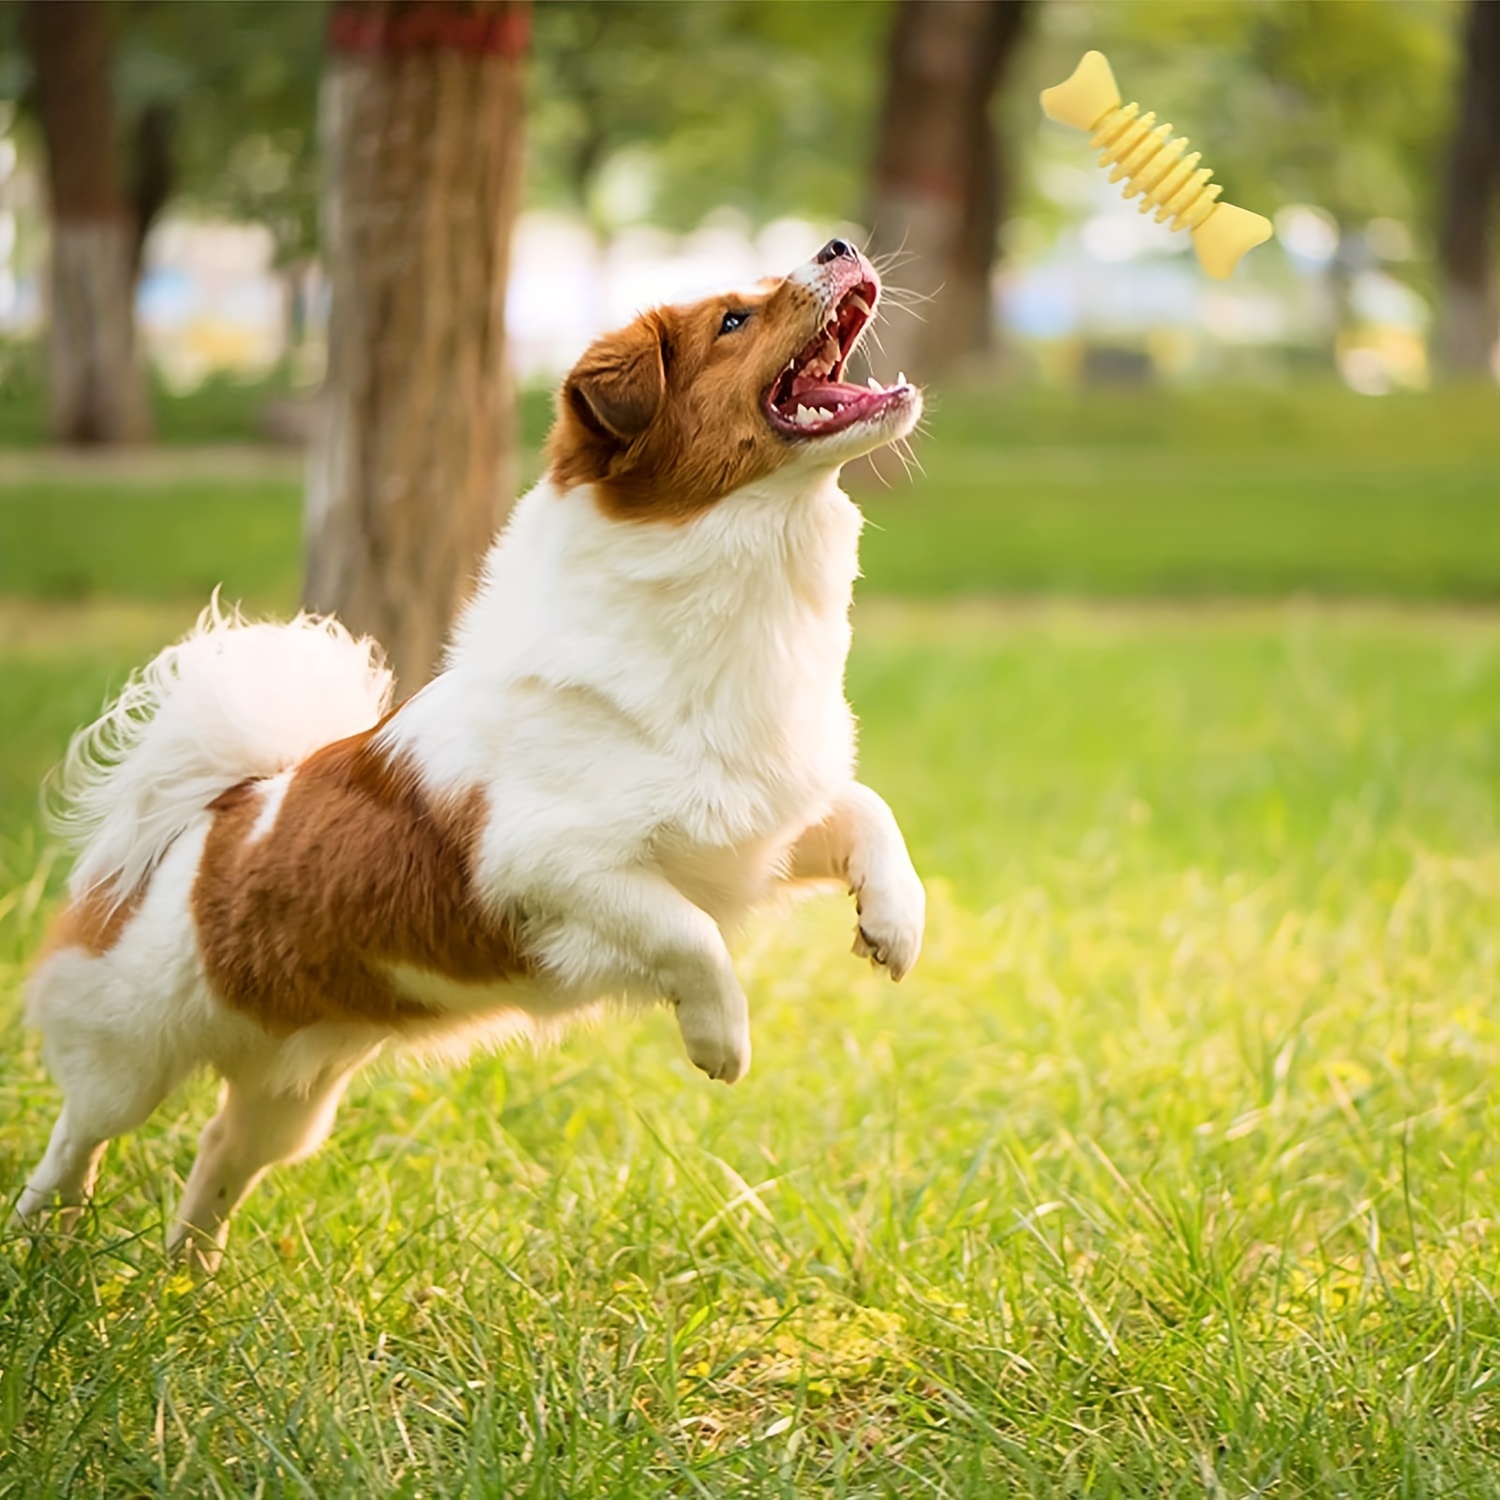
{"x":892,"y":908}
{"x":716,"y":1038}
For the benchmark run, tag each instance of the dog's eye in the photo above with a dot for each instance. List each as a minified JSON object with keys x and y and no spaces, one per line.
{"x":733,"y":320}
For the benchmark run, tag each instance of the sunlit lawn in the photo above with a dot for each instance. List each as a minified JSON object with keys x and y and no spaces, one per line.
{"x":1172,"y":1170}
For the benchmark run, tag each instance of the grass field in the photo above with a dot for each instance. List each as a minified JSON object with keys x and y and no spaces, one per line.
{"x":1171,"y":1171}
{"x":1250,"y":493}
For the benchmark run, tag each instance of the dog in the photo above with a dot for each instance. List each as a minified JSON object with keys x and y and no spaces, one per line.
{"x":639,"y":732}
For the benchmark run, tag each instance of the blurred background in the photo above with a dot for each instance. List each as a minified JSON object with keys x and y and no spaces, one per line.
{"x":361,"y":241}
{"x":673,"y":146}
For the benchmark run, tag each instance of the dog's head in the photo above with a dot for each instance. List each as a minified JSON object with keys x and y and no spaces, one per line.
{"x":688,"y":404}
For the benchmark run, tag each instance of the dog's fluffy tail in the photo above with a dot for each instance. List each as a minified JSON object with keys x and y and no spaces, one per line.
{"x":232,"y":700}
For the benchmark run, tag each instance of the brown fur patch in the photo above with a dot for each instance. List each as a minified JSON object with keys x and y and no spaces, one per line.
{"x":361,"y":869}
{"x":95,"y":923}
{"x":665,"y":417}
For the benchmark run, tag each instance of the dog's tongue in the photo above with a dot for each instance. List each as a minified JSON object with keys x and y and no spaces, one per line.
{"x":813,"y":392}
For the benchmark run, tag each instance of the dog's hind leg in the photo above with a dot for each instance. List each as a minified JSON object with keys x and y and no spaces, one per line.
{"x":108,"y":1040}
{"x":103,"y":1099}
{"x":255,"y":1128}
{"x":123,"y":1017}
{"x":65,"y":1175}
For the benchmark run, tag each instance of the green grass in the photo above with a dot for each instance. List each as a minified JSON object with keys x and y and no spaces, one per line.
{"x":1171,"y":1171}
{"x":1253,"y":493}
{"x":1174,"y":1170}
{"x":79,"y":539}
{"x":143,"y":527}
{"x":1192,"y":494}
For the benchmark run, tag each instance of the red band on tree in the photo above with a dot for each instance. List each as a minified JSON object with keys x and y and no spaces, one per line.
{"x":397,"y":30}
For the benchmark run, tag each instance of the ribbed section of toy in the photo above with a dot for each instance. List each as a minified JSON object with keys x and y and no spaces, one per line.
{"x":1155,"y":165}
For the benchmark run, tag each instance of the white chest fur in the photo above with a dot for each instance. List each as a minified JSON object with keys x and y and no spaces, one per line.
{"x":663,"y":695}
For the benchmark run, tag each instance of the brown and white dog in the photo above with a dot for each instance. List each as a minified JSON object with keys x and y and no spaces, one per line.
{"x":640,"y":729}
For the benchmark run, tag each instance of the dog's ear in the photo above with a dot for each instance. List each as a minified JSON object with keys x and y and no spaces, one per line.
{"x":617,"y":388}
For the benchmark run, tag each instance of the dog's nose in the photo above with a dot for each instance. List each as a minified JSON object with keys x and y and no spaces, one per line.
{"x":836,"y":250}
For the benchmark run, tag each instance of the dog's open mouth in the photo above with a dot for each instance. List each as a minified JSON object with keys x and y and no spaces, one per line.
{"x":810,"y":398}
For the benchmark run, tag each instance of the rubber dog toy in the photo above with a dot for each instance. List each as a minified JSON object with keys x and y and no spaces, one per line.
{"x":1152,"y":165}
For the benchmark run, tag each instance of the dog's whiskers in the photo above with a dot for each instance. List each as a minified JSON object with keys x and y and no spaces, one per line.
{"x":890,"y":260}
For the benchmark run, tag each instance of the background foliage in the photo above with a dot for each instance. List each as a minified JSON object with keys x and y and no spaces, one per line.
{"x":665,"y":111}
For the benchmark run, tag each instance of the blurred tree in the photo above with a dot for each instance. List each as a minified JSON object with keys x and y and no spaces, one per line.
{"x":643,"y":110}
{"x":139,"y":103}
{"x":1468,"y":323}
{"x":228,"y":91}
{"x":97,"y":384}
{"x":938,"y":189}
{"x":152,"y":175}
{"x":414,"y":464}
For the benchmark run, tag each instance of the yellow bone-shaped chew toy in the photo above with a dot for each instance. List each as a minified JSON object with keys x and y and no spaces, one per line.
{"x":1154,"y":167}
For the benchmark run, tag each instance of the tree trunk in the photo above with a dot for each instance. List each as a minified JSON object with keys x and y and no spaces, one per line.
{"x":97,"y":384}
{"x":1468,"y":324}
{"x":153,"y":177}
{"x":938,"y":196}
{"x":413,"y":468}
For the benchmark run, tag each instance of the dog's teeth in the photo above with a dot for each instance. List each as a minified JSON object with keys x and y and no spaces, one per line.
{"x":824,"y":414}
{"x":804,"y":416}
